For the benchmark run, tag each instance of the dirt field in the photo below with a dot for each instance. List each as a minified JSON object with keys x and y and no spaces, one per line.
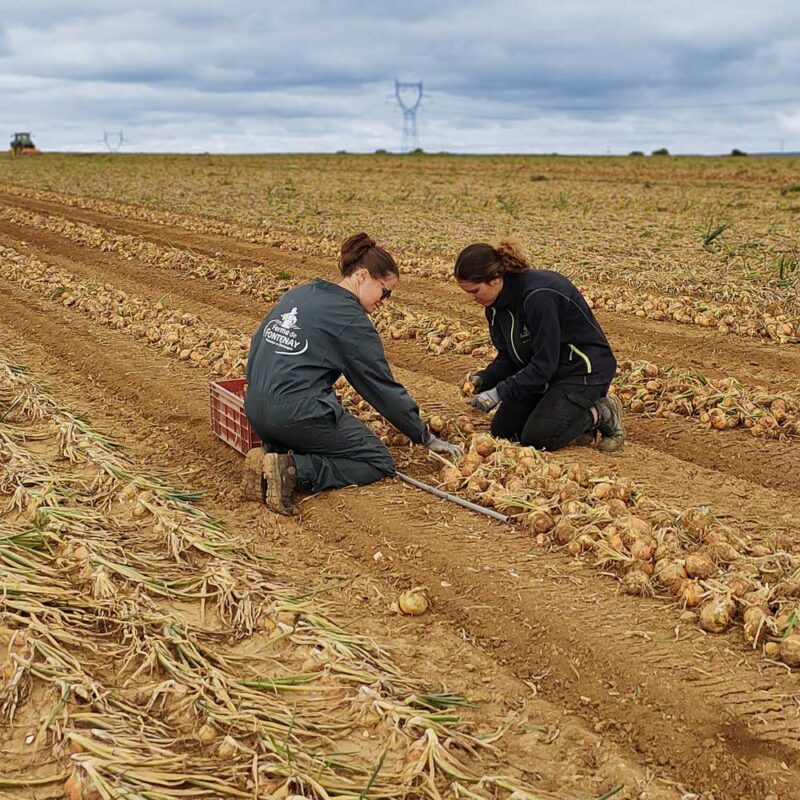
{"x":600,"y":692}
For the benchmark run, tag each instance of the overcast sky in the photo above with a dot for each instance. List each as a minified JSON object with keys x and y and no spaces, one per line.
{"x":567,"y":76}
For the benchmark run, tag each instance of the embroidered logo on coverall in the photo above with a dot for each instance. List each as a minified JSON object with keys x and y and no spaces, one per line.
{"x":283,"y":333}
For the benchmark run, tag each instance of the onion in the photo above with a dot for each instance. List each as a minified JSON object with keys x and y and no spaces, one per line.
{"x":696,"y":521}
{"x":789,"y":650}
{"x":670,"y":573}
{"x":651,"y":370}
{"x":539,"y":522}
{"x":579,"y":545}
{"x":601,"y":491}
{"x":637,"y":583}
{"x":450,"y":477}
{"x":572,"y":507}
{"x":785,"y":619}
{"x":716,"y":615}
{"x":617,"y":507}
{"x":755,"y":624}
{"x":698,"y":566}
{"x":756,"y":598}
{"x":80,"y":787}
{"x":470,"y":463}
{"x":787,"y":588}
{"x":725,"y":552}
{"x":483,"y":445}
{"x":622,"y":489}
{"x":414,"y":602}
{"x":614,"y":539}
{"x":207,"y":733}
{"x":436,"y":424}
{"x":477,"y":484}
{"x":691,"y":594}
{"x":644,"y":549}
{"x":564,"y":532}
{"x":579,"y":473}
{"x":570,"y":490}
{"x":228,"y":747}
{"x":739,"y":585}
{"x":553,"y":471}
{"x":637,"y":525}
{"x":771,"y":649}
{"x":73,"y":789}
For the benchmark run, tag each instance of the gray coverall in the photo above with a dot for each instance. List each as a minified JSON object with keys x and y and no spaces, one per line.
{"x":317,"y":332}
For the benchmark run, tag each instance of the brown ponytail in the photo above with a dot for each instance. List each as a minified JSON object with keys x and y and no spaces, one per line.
{"x":481,"y":263}
{"x":359,"y":251}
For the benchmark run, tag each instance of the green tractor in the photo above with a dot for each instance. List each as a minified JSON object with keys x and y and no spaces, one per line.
{"x":22,"y":145}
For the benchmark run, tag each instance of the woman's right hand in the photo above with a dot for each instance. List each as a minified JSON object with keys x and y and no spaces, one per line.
{"x":443,"y":447}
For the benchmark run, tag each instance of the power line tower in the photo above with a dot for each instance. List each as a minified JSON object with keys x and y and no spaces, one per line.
{"x":113,"y":140}
{"x":409,"y":97}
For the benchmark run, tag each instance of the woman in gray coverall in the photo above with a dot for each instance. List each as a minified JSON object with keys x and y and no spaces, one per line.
{"x":317,"y":332}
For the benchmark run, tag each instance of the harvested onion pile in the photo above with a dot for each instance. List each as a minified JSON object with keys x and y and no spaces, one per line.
{"x":687,"y":554}
{"x":645,"y":388}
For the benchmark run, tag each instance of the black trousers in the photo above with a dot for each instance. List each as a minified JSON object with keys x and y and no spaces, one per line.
{"x":551,"y":420}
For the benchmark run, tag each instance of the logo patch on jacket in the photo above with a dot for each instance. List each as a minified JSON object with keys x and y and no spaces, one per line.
{"x":283,"y":333}
{"x":525,"y":336}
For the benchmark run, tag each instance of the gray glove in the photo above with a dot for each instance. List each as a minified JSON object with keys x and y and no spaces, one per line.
{"x":443,"y":448}
{"x":486,"y":401}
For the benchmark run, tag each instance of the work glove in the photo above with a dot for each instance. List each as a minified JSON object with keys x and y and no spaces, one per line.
{"x":486,"y":401}
{"x":444,"y":448}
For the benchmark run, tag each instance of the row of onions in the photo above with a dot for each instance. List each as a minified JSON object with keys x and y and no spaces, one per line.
{"x":731,"y":308}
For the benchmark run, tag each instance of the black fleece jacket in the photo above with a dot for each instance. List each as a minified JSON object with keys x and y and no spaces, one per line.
{"x":317,"y":332}
{"x":544,"y":333}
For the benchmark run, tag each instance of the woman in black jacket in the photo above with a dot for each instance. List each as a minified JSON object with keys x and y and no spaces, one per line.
{"x":554,"y":364}
{"x":317,"y":332}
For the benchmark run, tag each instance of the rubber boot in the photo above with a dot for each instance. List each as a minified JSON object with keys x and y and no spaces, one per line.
{"x":610,"y":425}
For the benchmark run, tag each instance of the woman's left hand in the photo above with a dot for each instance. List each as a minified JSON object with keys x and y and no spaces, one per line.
{"x":486,"y":401}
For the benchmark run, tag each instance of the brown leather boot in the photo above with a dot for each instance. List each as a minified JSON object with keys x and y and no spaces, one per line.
{"x":254,"y":484}
{"x":281,"y":475}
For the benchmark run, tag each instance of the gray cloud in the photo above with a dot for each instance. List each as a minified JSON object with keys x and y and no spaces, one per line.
{"x":573,"y":76}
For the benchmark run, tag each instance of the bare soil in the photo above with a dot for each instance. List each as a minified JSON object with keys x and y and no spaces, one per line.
{"x":624,"y":693}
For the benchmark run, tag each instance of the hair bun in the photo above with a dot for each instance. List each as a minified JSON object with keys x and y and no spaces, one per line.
{"x":360,"y":250}
{"x":354,"y":247}
{"x":510,"y":247}
{"x":512,"y":256}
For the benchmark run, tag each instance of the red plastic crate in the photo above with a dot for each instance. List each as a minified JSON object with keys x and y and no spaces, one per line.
{"x":228,"y":420}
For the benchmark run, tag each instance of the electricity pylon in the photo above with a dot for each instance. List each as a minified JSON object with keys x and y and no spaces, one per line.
{"x":409,"y":108}
{"x":113,"y":140}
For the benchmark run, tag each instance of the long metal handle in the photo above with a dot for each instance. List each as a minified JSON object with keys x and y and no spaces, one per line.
{"x":426,"y":487}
